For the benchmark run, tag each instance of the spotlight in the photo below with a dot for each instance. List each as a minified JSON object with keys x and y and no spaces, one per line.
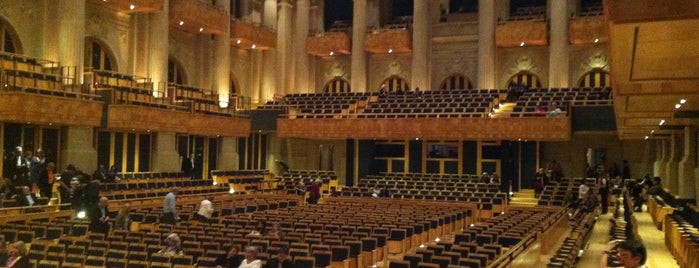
{"x":471,"y":225}
{"x":390,"y":50}
{"x":181,"y":22}
{"x":201,"y":29}
{"x":422,"y":245}
{"x":332,"y":53}
{"x":238,"y":42}
{"x":81,"y":214}
{"x":682,"y":101}
{"x":677,"y":106}
{"x":502,"y":213}
{"x":132,"y":7}
{"x":231,"y":191}
{"x":646,"y":137}
{"x":521,"y":44}
{"x":253,"y":46}
{"x":512,"y":193}
{"x":662,"y":122}
{"x":596,"y":40}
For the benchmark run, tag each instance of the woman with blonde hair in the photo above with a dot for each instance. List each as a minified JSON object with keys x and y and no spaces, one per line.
{"x":122,"y":221}
{"x":18,"y":256}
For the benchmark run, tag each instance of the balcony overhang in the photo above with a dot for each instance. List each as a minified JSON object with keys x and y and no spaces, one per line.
{"x":521,"y":33}
{"x":43,"y":109}
{"x":245,"y":34}
{"x":141,"y":118}
{"x":588,"y":30}
{"x":197,"y":17}
{"x":131,"y":6}
{"x":329,"y":44}
{"x":534,"y":128}
{"x":389,"y":41}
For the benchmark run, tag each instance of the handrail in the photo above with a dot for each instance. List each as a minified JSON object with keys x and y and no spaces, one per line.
{"x":514,"y":251}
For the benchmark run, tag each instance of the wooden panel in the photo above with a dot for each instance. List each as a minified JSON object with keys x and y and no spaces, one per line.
{"x":323,"y":44}
{"x":513,"y":33}
{"x":139,"y":6}
{"x":42,"y":109}
{"x":543,"y":129}
{"x":245,"y":34}
{"x":398,"y":40}
{"x":627,"y":11}
{"x":154,"y":119}
{"x":197,"y":15}
{"x":585,"y":30}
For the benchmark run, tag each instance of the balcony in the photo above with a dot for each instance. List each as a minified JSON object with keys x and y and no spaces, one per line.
{"x":385,"y":41}
{"x":197,"y":17}
{"x":587,"y":30}
{"x":329,"y":43}
{"x":529,"y":128}
{"x":42,"y":107}
{"x":132,"y":6}
{"x":246,"y":34}
{"x":521,"y":33}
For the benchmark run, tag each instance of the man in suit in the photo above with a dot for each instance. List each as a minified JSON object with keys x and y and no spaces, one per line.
{"x":99,"y":217}
{"x":188,"y":166}
{"x":27,"y":198}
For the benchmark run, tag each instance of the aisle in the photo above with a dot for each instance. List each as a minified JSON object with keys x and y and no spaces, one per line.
{"x":597,"y":243}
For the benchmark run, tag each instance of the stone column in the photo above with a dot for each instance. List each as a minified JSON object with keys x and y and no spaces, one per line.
{"x":140,"y":44}
{"x":222,"y":59}
{"x":558,"y":47}
{"x":486,"y":44}
{"x":158,"y":34}
{"x":165,"y":156}
{"x":303,"y":16}
{"x":686,"y":176}
{"x":269,"y":62}
{"x":660,"y":159}
{"x":228,"y":154}
{"x":71,"y":43}
{"x":672,"y":164}
{"x":284,"y":47}
{"x":77,"y":147}
{"x":420,"y":76}
{"x":358,"y":81}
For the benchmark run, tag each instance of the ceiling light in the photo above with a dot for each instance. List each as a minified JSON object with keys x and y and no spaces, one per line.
{"x":201,"y":29}
{"x":332,"y":53}
{"x":132,"y":7}
{"x":521,"y":44}
{"x":677,"y":106}
{"x":662,"y":122}
{"x":181,"y":22}
{"x":682,"y":101}
{"x":253,"y":46}
{"x":596,"y":40}
{"x":652,"y":131}
{"x":238,"y":41}
{"x":646,"y":137}
{"x":390,"y":50}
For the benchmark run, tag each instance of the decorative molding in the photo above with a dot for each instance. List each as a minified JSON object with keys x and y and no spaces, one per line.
{"x":585,"y":30}
{"x":382,"y":66}
{"x":244,"y":34}
{"x":324,"y":43}
{"x":533,"y":129}
{"x":513,"y":33}
{"x":42,"y":109}
{"x":198,"y":17}
{"x":396,"y":40}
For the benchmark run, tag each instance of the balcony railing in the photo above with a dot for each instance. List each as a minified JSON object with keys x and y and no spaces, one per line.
{"x":249,"y":35}
{"x":198,"y":17}
{"x":329,"y":44}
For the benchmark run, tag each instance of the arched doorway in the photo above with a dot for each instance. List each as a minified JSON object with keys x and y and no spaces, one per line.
{"x":395,"y":83}
{"x":337,"y":85}
{"x":98,"y":56}
{"x":526,"y":78}
{"x":456,"y":81}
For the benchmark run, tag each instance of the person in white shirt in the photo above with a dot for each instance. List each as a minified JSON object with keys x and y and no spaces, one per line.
{"x":206,"y":209}
{"x":251,"y":260}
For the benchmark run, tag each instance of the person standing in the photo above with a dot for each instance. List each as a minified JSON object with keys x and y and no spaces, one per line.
{"x":188,"y":166}
{"x":206,"y":209}
{"x":46,"y":178}
{"x":99,"y":217}
{"x":170,"y":207}
{"x":314,"y":195}
{"x":36,"y":167}
{"x":604,"y":193}
{"x":625,"y":170}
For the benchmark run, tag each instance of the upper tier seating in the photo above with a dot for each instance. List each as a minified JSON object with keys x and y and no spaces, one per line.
{"x":434,"y":103}
{"x":196,"y":99}
{"x":528,"y":13}
{"x":563,"y":98}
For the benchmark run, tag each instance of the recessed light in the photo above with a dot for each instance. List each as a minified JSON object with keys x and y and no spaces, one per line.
{"x":253,"y":46}
{"x":662,"y":122}
{"x":132,"y":7}
{"x":201,"y":29}
{"x":652,"y":131}
{"x":521,"y":44}
{"x":238,"y":41}
{"x":332,"y":53}
{"x":596,"y":40}
{"x":682,"y":101}
{"x":390,"y":50}
{"x":646,"y":137}
{"x":677,"y":106}
{"x":181,"y":22}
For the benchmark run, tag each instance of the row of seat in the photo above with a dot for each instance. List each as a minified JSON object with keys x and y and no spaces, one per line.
{"x":682,"y":236}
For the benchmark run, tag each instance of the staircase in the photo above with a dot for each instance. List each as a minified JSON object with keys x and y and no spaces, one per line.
{"x":525,"y":198}
{"x":503,"y":109}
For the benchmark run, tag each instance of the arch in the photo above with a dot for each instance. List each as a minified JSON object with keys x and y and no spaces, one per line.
{"x":175,"y":72}
{"x":9,"y":40}
{"x":456,"y":81}
{"x":98,"y":55}
{"x":524,"y":77}
{"x":394,"y":83}
{"x":337,"y":85}
{"x":595,"y":78}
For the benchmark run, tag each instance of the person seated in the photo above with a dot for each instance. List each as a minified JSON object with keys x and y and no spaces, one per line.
{"x":259,"y":229}
{"x":282,"y":259}
{"x":251,"y":260}
{"x":275,"y":232}
{"x":17,"y":257}
{"x":231,"y":259}
{"x":27,"y":198}
{"x":625,"y":253}
{"x":173,"y":246}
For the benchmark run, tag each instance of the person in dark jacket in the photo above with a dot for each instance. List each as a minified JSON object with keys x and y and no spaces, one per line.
{"x":281,"y":261}
{"x":231,"y":259}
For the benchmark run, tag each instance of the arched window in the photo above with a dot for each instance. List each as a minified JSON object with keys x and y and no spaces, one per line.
{"x":337,"y":85}
{"x":394,"y":83}
{"x":98,"y":56}
{"x":175,"y":72}
{"x":456,"y":81}
{"x":8,"y":39}
{"x":595,"y":78}
{"x":526,"y":78}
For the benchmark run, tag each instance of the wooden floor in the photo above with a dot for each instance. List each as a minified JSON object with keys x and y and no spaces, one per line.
{"x":654,"y":240}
